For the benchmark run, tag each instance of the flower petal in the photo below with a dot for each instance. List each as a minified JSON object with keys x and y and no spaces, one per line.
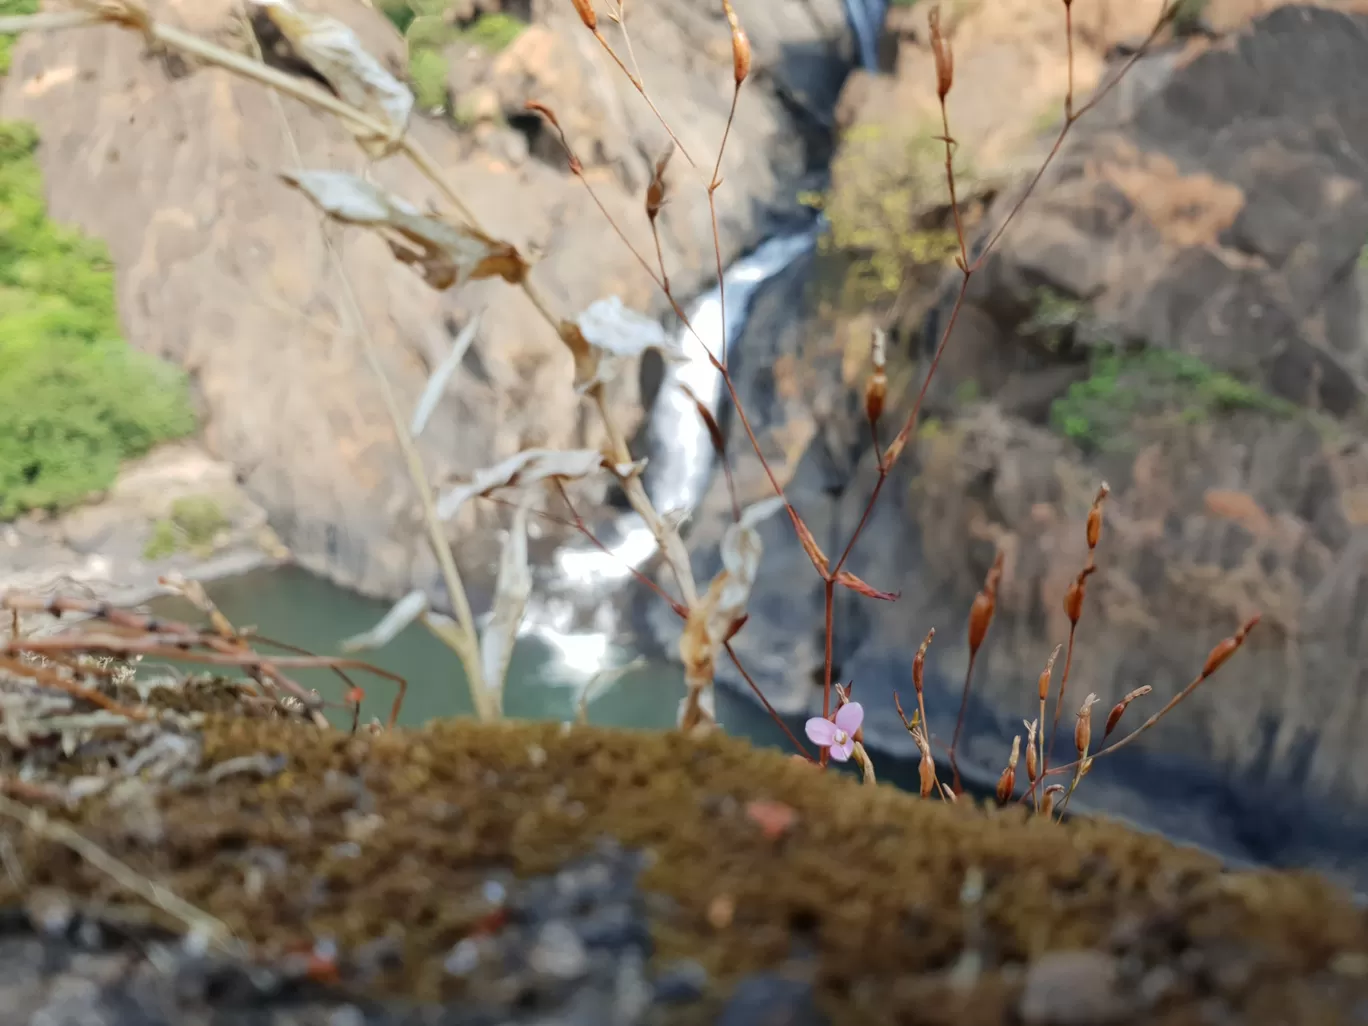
{"x":849,"y":717}
{"x":820,"y":731}
{"x":842,"y":752}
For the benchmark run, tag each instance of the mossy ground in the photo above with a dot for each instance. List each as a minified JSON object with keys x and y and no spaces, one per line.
{"x":394,"y":834}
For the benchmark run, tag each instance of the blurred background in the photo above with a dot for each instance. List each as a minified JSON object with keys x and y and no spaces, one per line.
{"x":1179,"y":311}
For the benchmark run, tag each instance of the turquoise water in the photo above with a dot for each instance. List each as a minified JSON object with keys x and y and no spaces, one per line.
{"x":293,"y":606}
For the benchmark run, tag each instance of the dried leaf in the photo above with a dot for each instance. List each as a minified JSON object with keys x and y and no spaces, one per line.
{"x":401,"y":614}
{"x":511,"y":591}
{"x":710,"y":622}
{"x":446,"y":255}
{"x":437,"y":382}
{"x":848,"y":580}
{"x":334,"y":51}
{"x":616,"y":334}
{"x":526,"y":467}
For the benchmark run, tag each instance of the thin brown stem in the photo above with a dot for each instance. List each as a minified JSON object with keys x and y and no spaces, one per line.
{"x":774,"y":715}
{"x":959,"y":724}
{"x":1059,"y":698}
{"x":636,"y":83}
{"x":713,"y":186}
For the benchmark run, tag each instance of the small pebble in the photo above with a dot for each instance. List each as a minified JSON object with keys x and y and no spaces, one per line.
{"x":772,"y":1000}
{"x":681,"y":982}
{"x":559,"y":953}
{"x":494,"y":892}
{"x":462,"y":959}
{"x":1072,"y":988}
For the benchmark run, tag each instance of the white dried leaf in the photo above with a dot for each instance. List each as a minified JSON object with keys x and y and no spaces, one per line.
{"x":618,"y":334}
{"x":720,"y":609}
{"x":445,"y":254}
{"x":334,"y":51}
{"x":526,"y":467}
{"x":401,"y":614}
{"x":437,"y":382}
{"x":511,"y":592}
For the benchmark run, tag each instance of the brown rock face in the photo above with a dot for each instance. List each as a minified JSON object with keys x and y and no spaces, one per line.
{"x":224,"y":270}
{"x":1178,"y":311}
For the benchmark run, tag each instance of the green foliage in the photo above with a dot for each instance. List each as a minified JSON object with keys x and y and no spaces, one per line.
{"x":1096,"y":413}
{"x":428,"y":77}
{"x":194,"y":522}
{"x":884,"y":181}
{"x":12,"y":8}
{"x":428,"y":29}
{"x":75,"y":400}
{"x":493,"y":32}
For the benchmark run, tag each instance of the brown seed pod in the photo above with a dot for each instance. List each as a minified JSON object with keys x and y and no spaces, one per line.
{"x":945,"y":57}
{"x":1118,"y":710}
{"x":741,"y":48}
{"x":919,"y":661}
{"x":1095,"y":516}
{"x":585,"y":9}
{"x":1083,"y":726}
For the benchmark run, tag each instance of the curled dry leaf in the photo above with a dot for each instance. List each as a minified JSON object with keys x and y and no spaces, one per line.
{"x":404,"y":612}
{"x":613,"y":333}
{"x":511,"y":592}
{"x":710,"y":622}
{"x":523,"y":468}
{"x":437,"y":382}
{"x":333,"y":50}
{"x":445,"y":254}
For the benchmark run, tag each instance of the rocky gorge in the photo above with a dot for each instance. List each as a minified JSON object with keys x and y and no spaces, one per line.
{"x":1177,"y":311}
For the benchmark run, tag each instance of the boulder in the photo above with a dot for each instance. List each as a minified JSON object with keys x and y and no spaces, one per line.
{"x":228,"y":273}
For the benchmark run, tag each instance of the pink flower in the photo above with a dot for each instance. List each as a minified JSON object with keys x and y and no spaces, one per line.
{"x":838,"y":736}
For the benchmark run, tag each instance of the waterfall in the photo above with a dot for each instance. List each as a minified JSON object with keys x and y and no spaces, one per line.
{"x":572,"y":610}
{"x":866,"y":21}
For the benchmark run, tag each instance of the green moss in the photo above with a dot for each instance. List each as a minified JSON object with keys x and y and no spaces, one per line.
{"x":194,"y":522}
{"x":75,"y":400}
{"x":1096,"y":413}
{"x":493,"y":32}
{"x":164,"y":541}
{"x":12,"y":8}
{"x":869,"y":881}
{"x":428,"y":77}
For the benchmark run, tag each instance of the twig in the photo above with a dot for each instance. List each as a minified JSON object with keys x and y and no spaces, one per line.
{"x":195,"y":920}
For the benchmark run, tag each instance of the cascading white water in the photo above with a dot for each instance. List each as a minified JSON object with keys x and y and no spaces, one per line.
{"x":680,"y":451}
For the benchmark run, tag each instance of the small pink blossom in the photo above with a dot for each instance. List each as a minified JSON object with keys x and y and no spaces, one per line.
{"x":838,"y":736}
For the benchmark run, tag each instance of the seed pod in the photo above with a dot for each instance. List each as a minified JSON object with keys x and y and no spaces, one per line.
{"x":655,"y":192}
{"x":1114,"y":717}
{"x":927,"y":772}
{"x":1227,"y":648}
{"x":1043,"y":683}
{"x":1047,"y":803}
{"x":877,"y":387}
{"x":1006,"y":784}
{"x":1083,"y":727}
{"x":945,"y":58}
{"x":919,"y":661}
{"x":741,"y":48}
{"x":1073,"y":601}
{"x":1031,"y":758}
{"x":585,"y":8}
{"x":1095,"y":516}
{"x":985,"y":603}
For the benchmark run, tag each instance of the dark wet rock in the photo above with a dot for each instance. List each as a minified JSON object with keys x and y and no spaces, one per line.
{"x":772,"y":1000}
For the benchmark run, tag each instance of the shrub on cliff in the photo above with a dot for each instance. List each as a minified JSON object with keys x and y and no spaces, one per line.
{"x":75,"y":400}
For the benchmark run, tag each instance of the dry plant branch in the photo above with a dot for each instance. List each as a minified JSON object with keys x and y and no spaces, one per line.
{"x":197,"y":922}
